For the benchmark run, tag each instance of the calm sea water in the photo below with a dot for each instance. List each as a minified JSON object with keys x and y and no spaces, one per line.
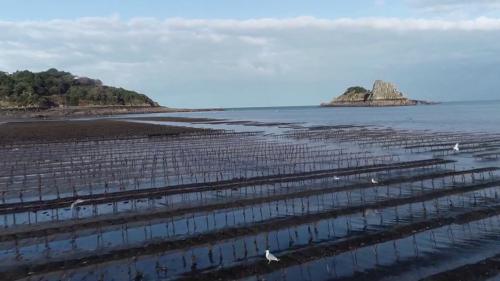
{"x":477,"y":116}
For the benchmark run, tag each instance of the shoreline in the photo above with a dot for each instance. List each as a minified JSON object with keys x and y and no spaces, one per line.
{"x":83,"y":111}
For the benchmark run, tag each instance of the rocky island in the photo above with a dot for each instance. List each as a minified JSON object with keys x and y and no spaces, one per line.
{"x":382,"y":94}
{"x":55,"y":93}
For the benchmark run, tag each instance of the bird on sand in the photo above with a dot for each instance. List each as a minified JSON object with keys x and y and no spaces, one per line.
{"x":77,"y":201}
{"x":374,"y":181}
{"x":456,"y":148}
{"x":270,"y":257}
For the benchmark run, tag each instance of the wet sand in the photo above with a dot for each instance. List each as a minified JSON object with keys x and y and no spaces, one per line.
{"x":87,"y":111}
{"x":59,"y":131}
{"x":170,"y":202}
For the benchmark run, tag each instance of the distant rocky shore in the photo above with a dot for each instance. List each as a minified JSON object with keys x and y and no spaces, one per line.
{"x":55,"y":94}
{"x":87,"y":111}
{"x":382,"y":94}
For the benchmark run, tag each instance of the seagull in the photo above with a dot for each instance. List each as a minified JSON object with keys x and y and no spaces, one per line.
{"x":374,"y":181}
{"x":369,"y":211}
{"x":270,"y":257}
{"x":456,"y":148}
{"x":336,"y":178}
{"x":77,"y":201}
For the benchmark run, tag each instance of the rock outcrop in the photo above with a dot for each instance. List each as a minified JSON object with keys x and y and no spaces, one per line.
{"x":385,"y":91}
{"x":382,"y":94}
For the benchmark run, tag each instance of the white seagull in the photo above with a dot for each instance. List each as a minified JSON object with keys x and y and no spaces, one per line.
{"x":374,"y":181}
{"x":77,"y":201}
{"x":270,"y":257}
{"x":369,"y":211}
{"x":456,"y":148}
{"x":336,"y":178}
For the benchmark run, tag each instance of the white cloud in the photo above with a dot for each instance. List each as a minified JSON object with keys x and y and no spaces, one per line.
{"x":303,"y":60}
{"x":461,"y":8}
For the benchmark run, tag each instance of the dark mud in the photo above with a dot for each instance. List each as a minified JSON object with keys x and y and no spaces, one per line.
{"x":102,"y":221}
{"x":235,"y":183}
{"x":301,"y":256}
{"x":182,"y":176}
{"x":480,"y":271}
{"x":61,"y":131}
{"x":176,"y":119}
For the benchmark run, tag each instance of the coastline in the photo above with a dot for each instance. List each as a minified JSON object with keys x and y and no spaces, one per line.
{"x":85,"y":111}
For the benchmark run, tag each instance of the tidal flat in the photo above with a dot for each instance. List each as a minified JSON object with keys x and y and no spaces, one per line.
{"x":196,"y":198}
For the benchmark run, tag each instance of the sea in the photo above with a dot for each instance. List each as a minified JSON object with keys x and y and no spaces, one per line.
{"x":470,"y":116}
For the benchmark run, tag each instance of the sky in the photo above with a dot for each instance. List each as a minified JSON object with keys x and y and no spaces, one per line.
{"x":242,"y":53}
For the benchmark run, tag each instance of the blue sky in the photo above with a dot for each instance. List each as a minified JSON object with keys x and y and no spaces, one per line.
{"x":235,"y":53}
{"x":234,"y":9}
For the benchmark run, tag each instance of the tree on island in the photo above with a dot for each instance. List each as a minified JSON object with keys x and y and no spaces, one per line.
{"x":51,"y":88}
